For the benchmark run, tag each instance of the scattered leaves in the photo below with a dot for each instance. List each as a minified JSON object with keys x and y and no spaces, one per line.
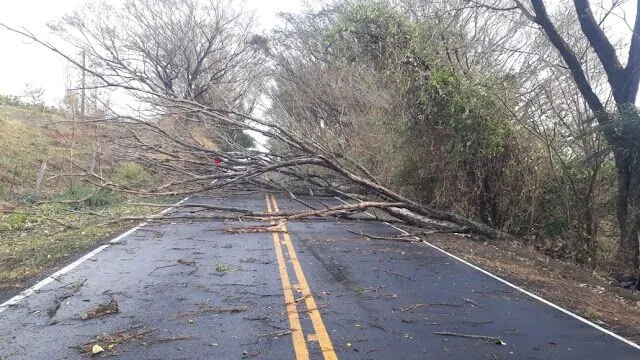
{"x":107,"y":342}
{"x":101,"y":310}
{"x":97,"y":349}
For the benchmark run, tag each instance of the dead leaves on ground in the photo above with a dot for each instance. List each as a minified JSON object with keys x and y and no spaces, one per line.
{"x":108,"y":308}
{"x":108,"y":343}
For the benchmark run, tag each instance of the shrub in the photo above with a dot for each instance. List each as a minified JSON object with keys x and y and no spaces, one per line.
{"x":14,"y":222}
{"x":131,"y":175}
{"x":88,"y":197}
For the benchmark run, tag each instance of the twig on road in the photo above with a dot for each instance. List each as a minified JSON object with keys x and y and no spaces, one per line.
{"x":254,"y":229}
{"x":401,"y":238}
{"x":175,"y":338}
{"x":412,"y":307}
{"x":494,"y":339}
{"x":204,"y":308}
{"x":378,"y":326}
{"x":108,"y":308}
{"x":415,"y":306}
{"x":191,"y":263}
{"x":276,"y":334}
{"x":473,"y":303}
{"x":396,"y":274}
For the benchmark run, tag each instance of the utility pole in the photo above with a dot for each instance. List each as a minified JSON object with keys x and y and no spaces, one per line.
{"x":83,"y":84}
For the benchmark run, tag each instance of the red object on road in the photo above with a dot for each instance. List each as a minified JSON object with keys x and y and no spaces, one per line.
{"x":217,"y":162}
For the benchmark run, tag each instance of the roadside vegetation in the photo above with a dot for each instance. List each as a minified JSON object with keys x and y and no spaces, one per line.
{"x":68,"y":215}
{"x":465,"y":108}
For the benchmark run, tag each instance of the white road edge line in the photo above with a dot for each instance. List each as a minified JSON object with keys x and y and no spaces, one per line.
{"x":46,"y":281}
{"x":526,"y":292}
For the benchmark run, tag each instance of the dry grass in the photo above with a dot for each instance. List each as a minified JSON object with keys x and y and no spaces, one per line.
{"x":35,"y":238}
{"x":25,"y":145}
{"x":31,"y":245}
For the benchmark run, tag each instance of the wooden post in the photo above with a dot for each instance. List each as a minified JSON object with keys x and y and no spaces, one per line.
{"x":40,"y":176}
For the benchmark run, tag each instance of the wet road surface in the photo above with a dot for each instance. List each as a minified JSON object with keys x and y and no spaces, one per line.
{"x":189,"y":290}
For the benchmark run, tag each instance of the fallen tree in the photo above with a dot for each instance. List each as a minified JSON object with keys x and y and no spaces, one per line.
{"x":167,"y":137}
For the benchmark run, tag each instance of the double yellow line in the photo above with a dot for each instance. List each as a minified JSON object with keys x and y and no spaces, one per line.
{"x":302,"y":287}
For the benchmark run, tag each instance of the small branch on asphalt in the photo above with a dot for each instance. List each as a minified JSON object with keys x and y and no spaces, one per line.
{"x":255,"y":229}
{"x":378,"y":326}
{"x":343,"y":209}
{"x":473,"y":303}
{"x":493,"y":339}
{"x":295,"y":198}
{"x":202,"y":206}
{"x":412,"y":307}
{"x":110,"y":340}
{"x":108,"y":308}
{"x":185,"y":217}
{"x":191,"y":263}
{"x":275,"y":334}
{"x":401,"y":238}
{"x":204,"y":308}
{"x":416,"y":306}
{"x":396,"y":274}
{"x":175,"y":338}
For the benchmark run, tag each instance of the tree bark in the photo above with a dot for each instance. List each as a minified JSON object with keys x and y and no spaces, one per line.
{"x":622,"y":133}
{"x":628,"y":207}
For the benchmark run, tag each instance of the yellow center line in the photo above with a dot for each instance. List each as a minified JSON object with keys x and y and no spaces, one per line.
{"x":299,"y":345}
{"x":321,"y":332}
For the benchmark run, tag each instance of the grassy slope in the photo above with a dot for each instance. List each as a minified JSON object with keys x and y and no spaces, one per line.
{"x":22,"y":149}
{"x":37,"y":237}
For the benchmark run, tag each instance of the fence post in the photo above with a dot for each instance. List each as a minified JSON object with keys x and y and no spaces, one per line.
{"x":40,"y":176}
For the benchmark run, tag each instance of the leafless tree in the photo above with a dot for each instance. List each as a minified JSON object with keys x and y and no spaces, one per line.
{"x":620,"y":129}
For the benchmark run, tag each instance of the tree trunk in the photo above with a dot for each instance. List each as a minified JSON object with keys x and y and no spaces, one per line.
{"x":623,"y":137}
{"x":629,"y":205}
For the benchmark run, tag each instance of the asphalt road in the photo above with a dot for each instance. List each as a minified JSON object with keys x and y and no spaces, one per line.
{"x":189,"y":290}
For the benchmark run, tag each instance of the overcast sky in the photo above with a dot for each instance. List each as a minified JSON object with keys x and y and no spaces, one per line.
{"x":22,"y":62}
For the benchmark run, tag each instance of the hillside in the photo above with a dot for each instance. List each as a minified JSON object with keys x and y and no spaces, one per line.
{"x":27,"y":139}
{"x":37,"y":233}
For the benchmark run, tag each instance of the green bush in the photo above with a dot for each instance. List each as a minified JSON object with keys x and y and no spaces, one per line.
{"x":52,"y":209}
{"x":88,"y":197}
{"x":14,"y":222}
{"x":131,"y":175}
